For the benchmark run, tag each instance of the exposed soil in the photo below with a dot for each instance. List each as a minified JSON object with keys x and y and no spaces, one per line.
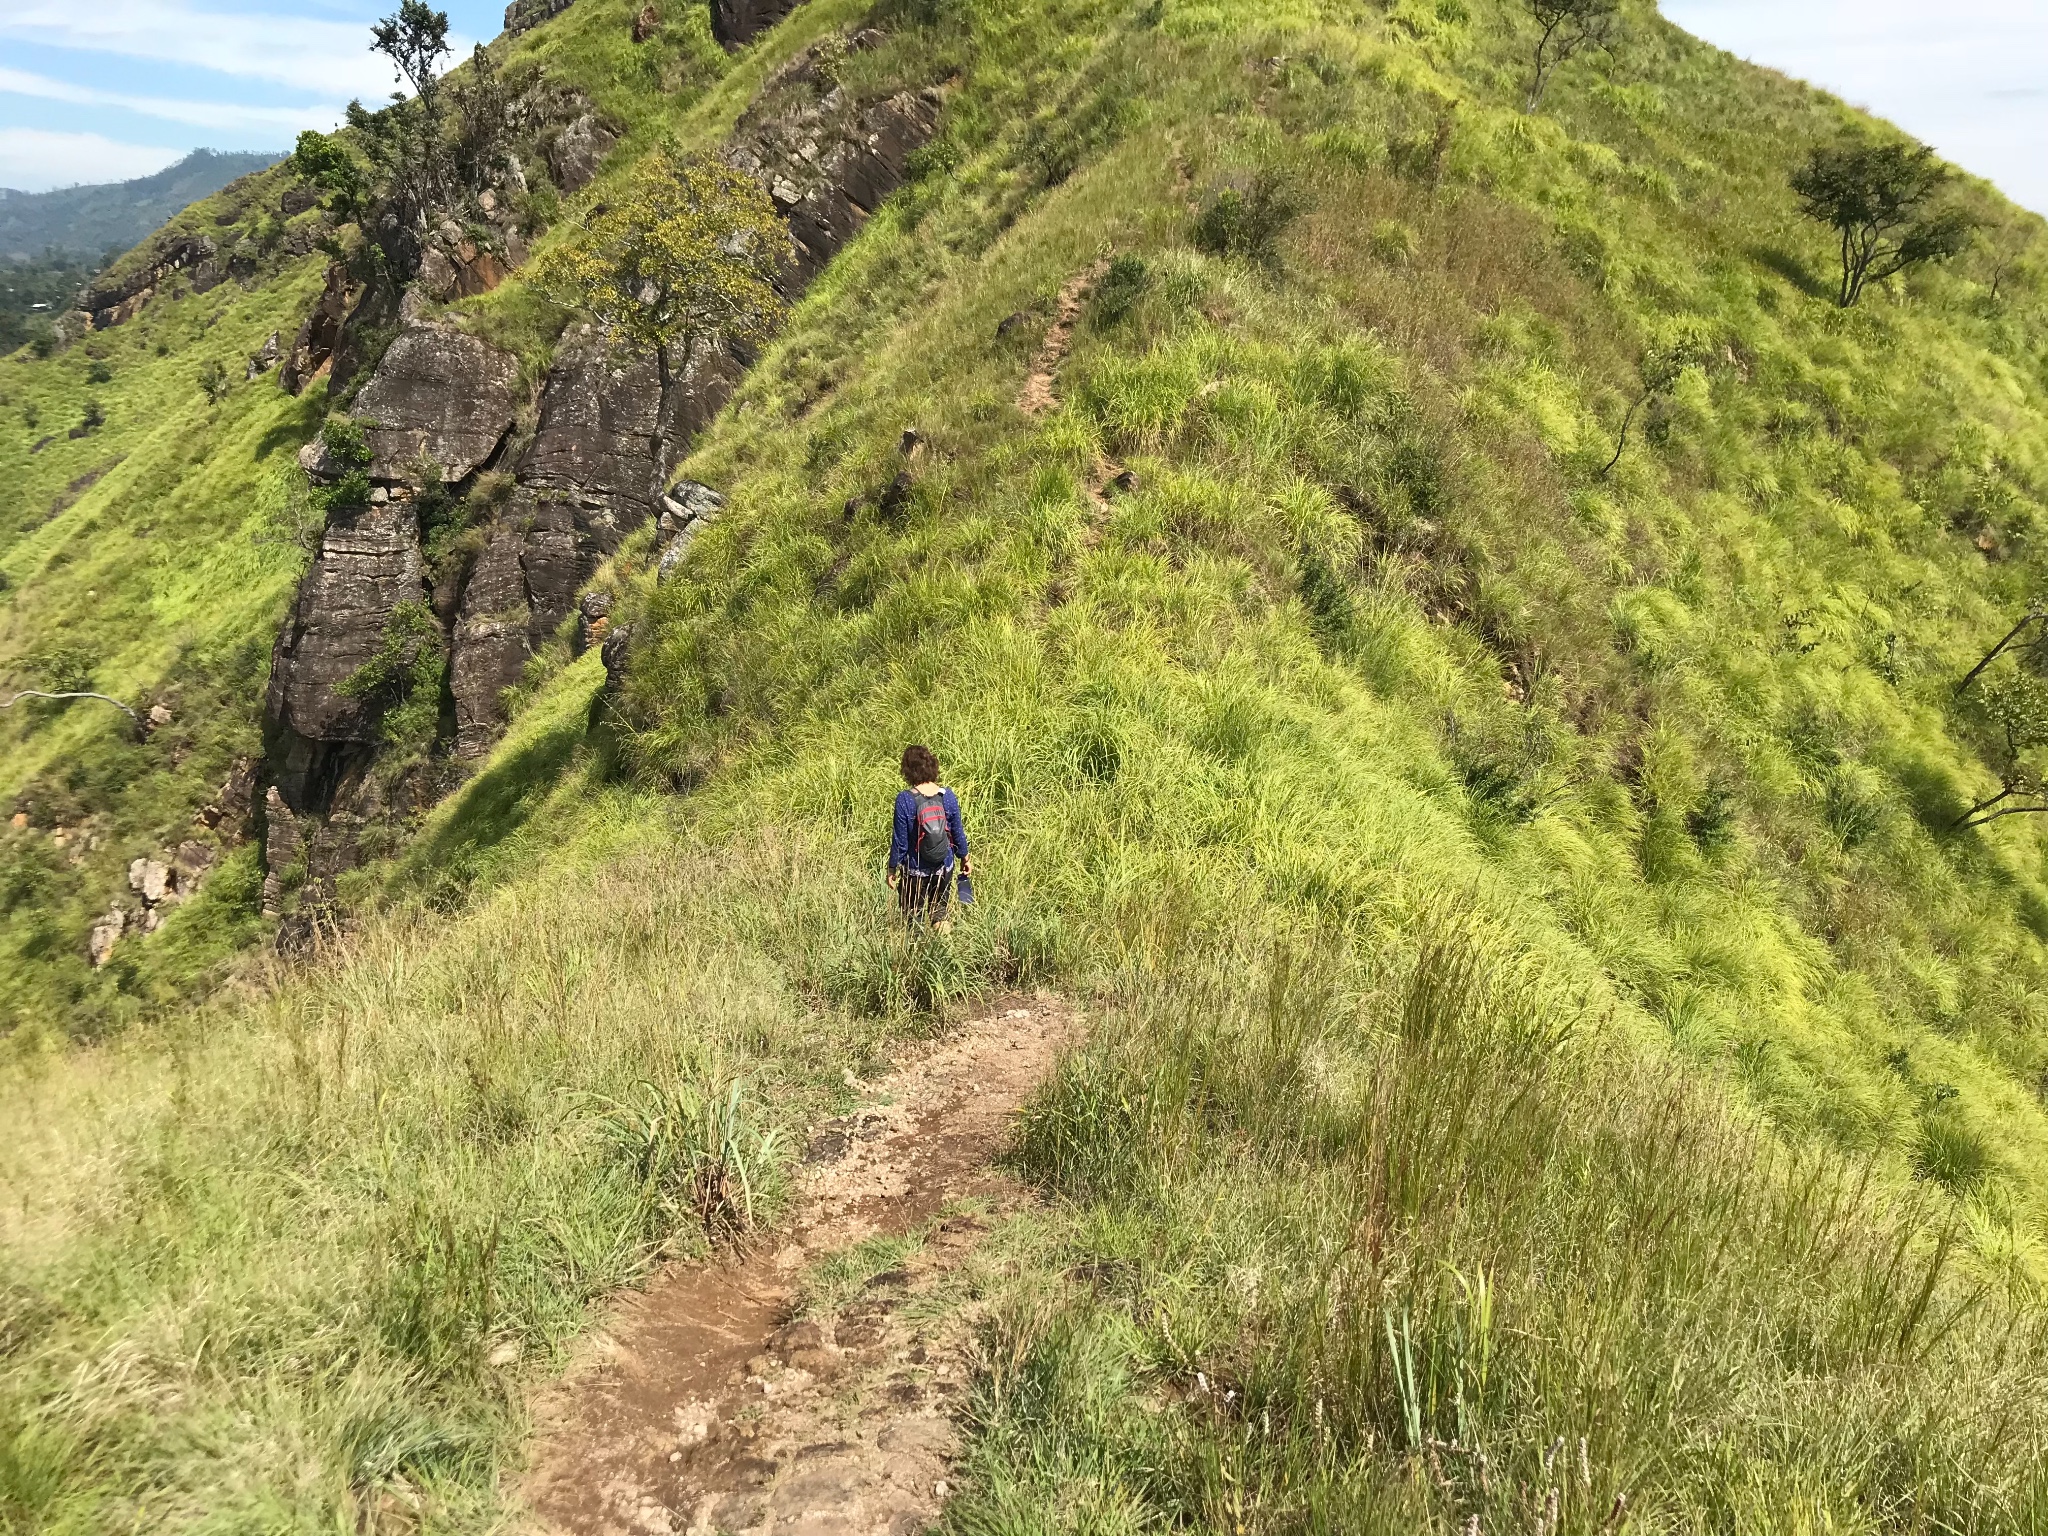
{"x":709,"y":1405}
{"x":1038,"y":397}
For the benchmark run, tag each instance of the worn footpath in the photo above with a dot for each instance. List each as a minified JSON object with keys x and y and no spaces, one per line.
{"x":717,"y":1402}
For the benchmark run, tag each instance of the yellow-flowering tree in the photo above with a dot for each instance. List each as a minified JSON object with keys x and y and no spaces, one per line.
{"x":685,"y":254}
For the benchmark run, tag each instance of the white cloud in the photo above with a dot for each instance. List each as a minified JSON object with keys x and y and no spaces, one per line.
{"x":33,"y":160}
{"x":332,"y":58}
{"x":282,"y":121}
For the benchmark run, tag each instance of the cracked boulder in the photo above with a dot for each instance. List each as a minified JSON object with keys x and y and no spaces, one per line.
{"x":437,"y":395}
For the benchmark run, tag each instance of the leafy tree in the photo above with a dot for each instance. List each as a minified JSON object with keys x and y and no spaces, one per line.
{"x":326,"y":161}
{"x":1569,"y":28}
{"x":213,"y":381}
{"x":414,"y":39}
{"x":683,"y":256}
{"x":1882,"y":200}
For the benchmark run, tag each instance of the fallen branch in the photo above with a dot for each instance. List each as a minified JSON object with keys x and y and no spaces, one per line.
{"x":37,"y":693}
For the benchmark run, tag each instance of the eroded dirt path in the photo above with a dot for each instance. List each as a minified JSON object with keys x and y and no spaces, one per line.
{"x":708,"y":1405}
{"x":1038,"y":396}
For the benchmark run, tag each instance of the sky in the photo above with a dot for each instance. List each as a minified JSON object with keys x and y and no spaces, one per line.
{"x":107,"y":90}
{"x":1969,"y":77}
{"x":104,"y":90}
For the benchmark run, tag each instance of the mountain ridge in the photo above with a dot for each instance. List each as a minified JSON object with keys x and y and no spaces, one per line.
{"x":100,"y":218}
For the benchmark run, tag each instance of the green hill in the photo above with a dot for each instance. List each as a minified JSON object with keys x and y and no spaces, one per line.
{"x":91,"y":220}
{"x":1452,"y":646}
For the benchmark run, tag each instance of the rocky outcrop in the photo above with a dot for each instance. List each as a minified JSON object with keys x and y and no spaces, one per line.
{"x":609,"y":435}
{"x":827,"y":159}
{"x":320,"y":334}
{"x":369,"y":563}
{"x":735,"y":23}
{"x":577,"y":152}
{"x":438,"y":396}
{"x":118,"y":300}
{"x":525,"y":15}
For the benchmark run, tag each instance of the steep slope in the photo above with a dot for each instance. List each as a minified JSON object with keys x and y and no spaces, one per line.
{"x":1559,"y":1063}
{"x":93,"y":220}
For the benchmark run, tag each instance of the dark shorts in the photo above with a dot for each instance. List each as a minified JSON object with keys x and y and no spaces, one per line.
{"x":926,"y":896}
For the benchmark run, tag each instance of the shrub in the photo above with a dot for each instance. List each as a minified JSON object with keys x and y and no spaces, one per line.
{"x":1122,"y":286}
{"x":1248,"y":221}
{"x":1393,"y":241}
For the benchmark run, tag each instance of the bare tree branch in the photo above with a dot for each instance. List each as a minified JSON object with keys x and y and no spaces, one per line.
{"x":37,"y":693}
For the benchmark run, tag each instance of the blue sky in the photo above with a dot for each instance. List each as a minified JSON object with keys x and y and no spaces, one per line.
{"x":101,"y":90}
{"x":1969,"y":77}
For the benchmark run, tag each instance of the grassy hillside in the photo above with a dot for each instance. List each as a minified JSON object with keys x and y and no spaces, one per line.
{"x":146,"y":556}
{"x":1558,"y":1064}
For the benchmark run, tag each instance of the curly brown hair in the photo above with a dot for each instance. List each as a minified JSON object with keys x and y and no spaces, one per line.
{"x":920,"y":765}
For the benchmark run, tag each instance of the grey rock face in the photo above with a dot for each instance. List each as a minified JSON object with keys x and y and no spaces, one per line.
{"x":492,"y":639}
{"x":577,"y":152}
{"x":525,"y":15}
{"x":438,"y":395}
{"x":318,"y":336}
{"x":369,"y":563}
{"x":736,"y":23}
{"x":283,"y":844}
{"x":829,"y":161}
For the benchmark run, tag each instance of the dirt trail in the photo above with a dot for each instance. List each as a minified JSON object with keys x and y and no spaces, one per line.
{"x":1038,"y":396}
{"x":704,"y":1407}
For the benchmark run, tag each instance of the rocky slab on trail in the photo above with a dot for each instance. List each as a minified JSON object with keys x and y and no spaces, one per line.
{"x":710,"y":1405}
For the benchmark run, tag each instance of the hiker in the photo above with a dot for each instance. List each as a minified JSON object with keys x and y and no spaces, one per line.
{"x":928,"y":844}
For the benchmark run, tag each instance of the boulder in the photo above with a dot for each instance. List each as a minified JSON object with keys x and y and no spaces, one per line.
{"x":438,"y":394}
{"x":296,"y":200}
{"x":735,"y":23}
{"x":265,"y":358}
{"x":105,"y":934}
{"x":369,"y":563}
{"x":577,"y":152}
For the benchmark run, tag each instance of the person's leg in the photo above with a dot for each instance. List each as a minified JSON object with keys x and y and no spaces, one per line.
{"x":942,"y":902}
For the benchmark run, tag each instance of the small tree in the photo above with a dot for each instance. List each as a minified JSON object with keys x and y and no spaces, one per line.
{"x":326,"y":162}
{"x":684,"y":255}
{"x":1569,"y":28}
{"x":414,"y":39}
{"x":1882,"y":200}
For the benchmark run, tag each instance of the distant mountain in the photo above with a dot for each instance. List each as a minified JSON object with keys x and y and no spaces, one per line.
{"x":90,"y":221}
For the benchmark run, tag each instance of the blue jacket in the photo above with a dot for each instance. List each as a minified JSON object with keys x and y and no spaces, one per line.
{"x":906,"y":829}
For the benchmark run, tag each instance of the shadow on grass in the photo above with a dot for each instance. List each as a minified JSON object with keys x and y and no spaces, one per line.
{"x":297,"y":426}
{"x":493,"y":808}
{"x":1792,"y":269}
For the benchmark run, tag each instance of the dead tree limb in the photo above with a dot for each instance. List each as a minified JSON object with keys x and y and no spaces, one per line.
{"x":37,"y":693}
